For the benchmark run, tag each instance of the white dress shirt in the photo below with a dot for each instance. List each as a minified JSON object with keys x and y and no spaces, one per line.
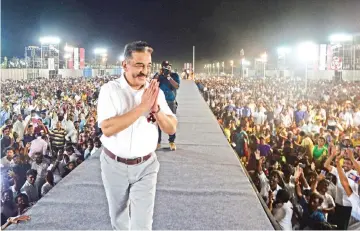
{"x":341,"y":197}
{"x":38,"y":145}
{"x":140,"y":138}
{"x":19,"y":128}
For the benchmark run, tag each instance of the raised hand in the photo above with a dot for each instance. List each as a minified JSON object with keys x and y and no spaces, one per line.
{"x":150,"y":95}
{"x":350,"y":153}
{"x":257,"y":155}
{"x":15,"y":220}
{"x":155,"y":107}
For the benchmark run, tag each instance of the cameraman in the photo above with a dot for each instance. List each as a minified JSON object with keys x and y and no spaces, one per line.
{"x":168,"y":82}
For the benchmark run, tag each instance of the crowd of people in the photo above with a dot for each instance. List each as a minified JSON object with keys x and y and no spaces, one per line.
{"x":300,"y":147}
{"x":48,"y":128}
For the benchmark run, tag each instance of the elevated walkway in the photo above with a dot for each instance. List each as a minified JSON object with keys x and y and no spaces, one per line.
{"x":200,"y":186}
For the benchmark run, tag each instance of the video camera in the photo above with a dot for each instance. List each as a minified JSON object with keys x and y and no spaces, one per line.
{"x":166,"y":68}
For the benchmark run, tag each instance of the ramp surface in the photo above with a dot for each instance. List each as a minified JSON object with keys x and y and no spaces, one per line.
{"x":200,"y":186}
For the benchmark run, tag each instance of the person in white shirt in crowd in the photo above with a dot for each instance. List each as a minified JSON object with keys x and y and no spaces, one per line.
{"x":30,"y":188}
{"x":269,"y":187}
{"x":58,"y":167}
{"x":352,"y":196}
{"x":19,"y":126}
{"x":343,"y":205}
{"x":357,"y":117}
{"x":282,"y":209}
{"x":71,"y":134}
{"x":49,"y":184}
{"x":127,"y":110}
{"x":39,"y":145}
{"x":32,"y":118}
{"x":41,"y":167}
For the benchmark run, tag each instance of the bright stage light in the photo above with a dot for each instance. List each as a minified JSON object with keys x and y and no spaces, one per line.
{"x":341,"y":38}
{"x":264,"y":57}
{"x":307,"y":51}
{"x":49,"y":40}
{"x":100,"y":51}
{"x":68,"y":48}
{"x":121,"y":58}
{"x":283,"y":51}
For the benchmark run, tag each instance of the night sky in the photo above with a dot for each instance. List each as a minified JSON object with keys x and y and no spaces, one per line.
{"x":218,"y":29}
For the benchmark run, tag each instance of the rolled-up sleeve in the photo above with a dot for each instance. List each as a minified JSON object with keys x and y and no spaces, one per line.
{"x":163,"y":104}
{"x":355,"y":204}
{"x":105,"y":107}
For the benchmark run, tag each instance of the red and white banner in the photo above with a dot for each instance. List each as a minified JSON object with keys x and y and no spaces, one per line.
{"x":336,"y":63}
{"x":70,"y":52}
{"x":329,"y":57}
{"x":82,"y":58}
{"x":76,"y":58}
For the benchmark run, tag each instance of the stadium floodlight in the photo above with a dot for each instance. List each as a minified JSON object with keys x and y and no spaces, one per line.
{"x":68,"y":48}
{"x":264,"y":57}
{"x":49,"y":40}
{"x":232,"y":67}
{"x":100,"y":51}
{"x":282,"y":51}
{"x":307,"y":51}
{"x":341,"y":38}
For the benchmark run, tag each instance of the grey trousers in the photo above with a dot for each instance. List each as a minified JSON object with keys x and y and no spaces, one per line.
{"x":130,"y":187}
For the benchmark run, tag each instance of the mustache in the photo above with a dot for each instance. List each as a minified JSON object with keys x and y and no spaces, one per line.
{"x":142,"y":75}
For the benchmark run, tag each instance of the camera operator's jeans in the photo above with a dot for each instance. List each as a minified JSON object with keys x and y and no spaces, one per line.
{"x":173,"y":107}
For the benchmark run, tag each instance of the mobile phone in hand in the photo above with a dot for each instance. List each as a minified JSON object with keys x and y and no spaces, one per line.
{"x":301,"y":165}
{"x":354,"y":177}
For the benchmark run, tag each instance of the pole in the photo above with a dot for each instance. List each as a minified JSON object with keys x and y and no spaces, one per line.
{"x":353,"y":52}
{"x":306,"y":76}
{"x":41,"y":57}
{"x":264,"y":69}
{"x":193,"y":61}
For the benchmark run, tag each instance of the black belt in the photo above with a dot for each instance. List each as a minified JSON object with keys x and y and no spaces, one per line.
{"x":138,"y":160}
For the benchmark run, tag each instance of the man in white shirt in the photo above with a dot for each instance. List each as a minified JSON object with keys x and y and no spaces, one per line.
{"x":127,"y":109}
{"x":343,"y":205}
{"x":19,"y":127}
{"x":38,"y":145}
{"x":352,"y":196}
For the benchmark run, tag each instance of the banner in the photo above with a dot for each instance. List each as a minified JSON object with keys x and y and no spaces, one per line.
{"x":329,"y":57}
{"x":336,"y":63}
{"x":322,"y":57}
{"x":70,"y":52}
{"x":76,"y":58}
{"x":82,"y":58}
{"x":51,"y":64}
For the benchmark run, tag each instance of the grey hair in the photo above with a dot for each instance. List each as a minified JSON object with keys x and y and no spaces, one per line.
{"x":137,"y":46}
